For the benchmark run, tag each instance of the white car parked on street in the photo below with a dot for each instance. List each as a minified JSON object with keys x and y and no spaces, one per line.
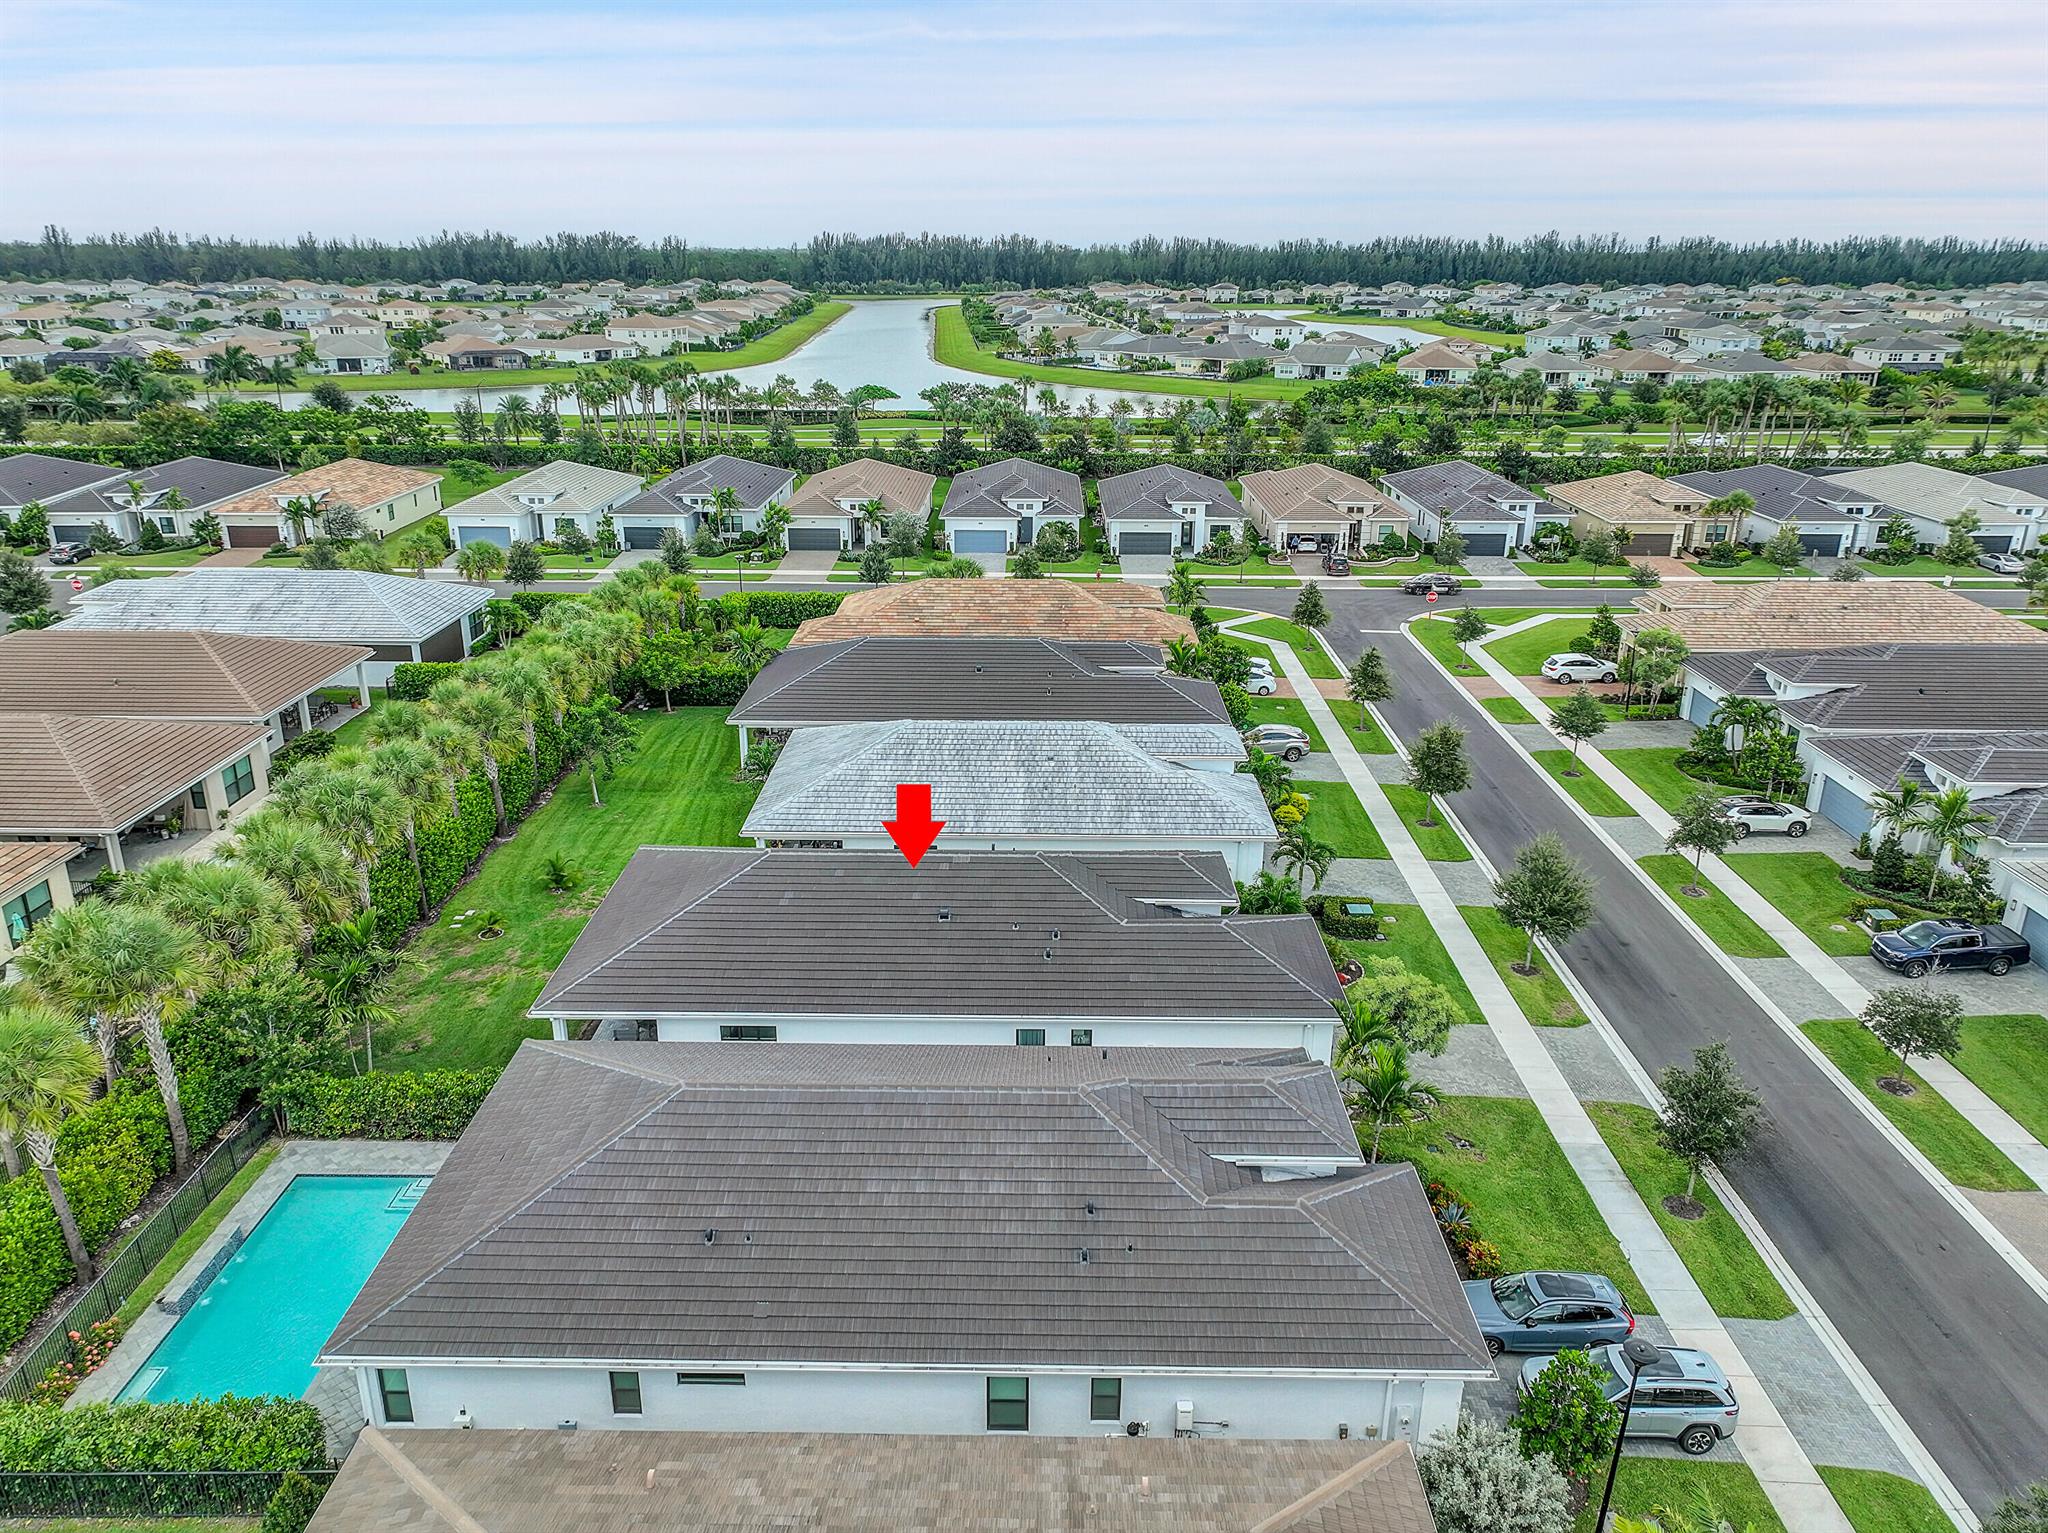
{"x":1751,"y":812}
{"x":1572,"y":666}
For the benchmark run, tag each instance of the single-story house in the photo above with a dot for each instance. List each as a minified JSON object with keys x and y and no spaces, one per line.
{"x":998,"y":508}
{"x":1820,"y":614}
{"x":2010,"y":514}
{"x":1313,"y":507}
{"x":465,"y":353}
{"x":1110,"y":612}
{"x":1831,"y":519}
{"x":2005,"y":775}
{"x":385,"y":497}
{"x":1650,"y":516}
{"x":1165,"y":509}
{"x":691,"y":945}
{"x":350,"y":354}
{"x":1493,"y":515}
{"x":531,"y":507}
{"x":1328,"y":358}
{"x":33,"y":887}
{"x":35,"y":478}
{"x":829,"y":510}
{"x":396,"y":617}
{"x":193,"y":485}
{"x":794,"y":1238}
{"x":688,"y":499}
{"x":583,"y":348}
{"x":1440,"y":362}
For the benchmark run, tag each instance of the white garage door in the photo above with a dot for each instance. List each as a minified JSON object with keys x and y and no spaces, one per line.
{"x":982,"y":542}
{"x":464,"y":536}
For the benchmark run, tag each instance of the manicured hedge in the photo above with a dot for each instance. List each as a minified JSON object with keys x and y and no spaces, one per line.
{"x":265,"y":1432}
{"x":711,"y":683}
{"x":412,"y":680}
{"x":305,"y":747}
{"x":782,"y":609}
{"x":1329,"y":913}
{"x":429,"y":1104}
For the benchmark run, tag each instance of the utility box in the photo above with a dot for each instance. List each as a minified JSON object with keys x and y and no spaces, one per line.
{"x":1183,"y":1418}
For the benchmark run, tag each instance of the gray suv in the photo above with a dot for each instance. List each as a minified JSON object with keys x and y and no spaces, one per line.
{"x":1683,"y":1398}
{"x":1548,"y":1311}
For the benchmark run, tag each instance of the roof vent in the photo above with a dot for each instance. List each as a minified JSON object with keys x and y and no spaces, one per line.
{"x":710,"y":1236}
{"x":1081,"y":1256}
{"x":945,"y":912}
{"x":1055,"y":934}
{"x":1048,"y":955}
{"x":1088,"y":1209}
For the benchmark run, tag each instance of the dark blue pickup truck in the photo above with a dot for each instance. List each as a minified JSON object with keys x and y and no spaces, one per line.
{"x":1925,"y":945}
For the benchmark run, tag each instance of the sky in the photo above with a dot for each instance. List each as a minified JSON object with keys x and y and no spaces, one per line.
{"x":1082,"y":122}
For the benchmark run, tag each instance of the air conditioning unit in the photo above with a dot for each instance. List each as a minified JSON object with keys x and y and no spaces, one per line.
{"x":463,"y":1420}
{"x":1183,"y":1418}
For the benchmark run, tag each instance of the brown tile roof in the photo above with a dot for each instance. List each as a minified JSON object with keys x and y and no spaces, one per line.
{"x":163,"y":675}
{"x":24,"y":862}
{"x":1630,"y":499}
{"x":351,"y":481}
{"x":900,"y":489}
{"x":1782,"y":614}
{"x":1316,"y":490}
{"x":1000,"y":609}
{"x":755,"y":1482}
{"x":73,"y":776}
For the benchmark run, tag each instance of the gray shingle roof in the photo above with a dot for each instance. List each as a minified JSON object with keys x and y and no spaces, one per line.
{"x":754,"y":483}
{"x":1459,"y":490}
{"x":700,"y":931}
{"x":348,"y":606}
{"x":27,"y":476}
{"x":2033,"y":478}
{"x":1150,"y":493}
{"x":1781,"y":494}
{"x":1001,"y":778}
{"x":858,"y":680}
{"x":1895,"y":687}
{"x":897,"y":1204}
{"x":982,"y":491}
{"x":202,"y":481}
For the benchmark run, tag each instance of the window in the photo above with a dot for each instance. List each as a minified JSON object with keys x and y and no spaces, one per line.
{"x":1009,"y":1405}
{"x":396,"y":1392}
{"x":646,"y":1030}
{"x":198,"y":795}
{"x":1081,"y":1037}
{"x":23,"y":912}
{"x":711,"y":1378}
{"x":1031,"y":1037}
{"x":239,"y":780}
{"x":477,"y":624}
{"x":1105,"y":1399}
{"x":746,"y":1035}
{"x":625,"y":1394}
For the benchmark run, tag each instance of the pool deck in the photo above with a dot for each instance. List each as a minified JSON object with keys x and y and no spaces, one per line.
{"x":299,"y":1157}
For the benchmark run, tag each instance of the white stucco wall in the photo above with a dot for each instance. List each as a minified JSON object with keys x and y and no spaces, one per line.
{"x":1105,"y":1032}
{"x":1245,"y":857}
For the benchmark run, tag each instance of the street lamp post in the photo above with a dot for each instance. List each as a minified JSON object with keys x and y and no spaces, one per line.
{"x":1640,"y":1353}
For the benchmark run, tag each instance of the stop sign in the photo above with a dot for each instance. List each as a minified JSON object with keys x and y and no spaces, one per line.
{"x":77,"y":584}
{"x":1430,"y":597}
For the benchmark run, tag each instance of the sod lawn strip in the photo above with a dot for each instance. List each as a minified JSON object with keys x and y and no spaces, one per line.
{"x":1542,"y":996}
{"x":1876,"y":1502}
{"x":1808,"y":890}
{"x":2007,"y":1058}
{"x":1713,"y":1247}
{"x":1439,"y":843}
{"x":1335,"y":816}
{"x":1507,"y":710}
{"x":1937,"y":1130}
{"x":1677,"y":1485}
{"x":1523,"y":654}
{"x":208,"y":1221}
{"x":1407,"y":935}
{"x":1288,"y":710}
{"x":1308,"y":649}
{"x":1654,"y":769}
{"x":1524,"y":1196}
{"x":1591,"y":794}
{"x":1733,"y":932}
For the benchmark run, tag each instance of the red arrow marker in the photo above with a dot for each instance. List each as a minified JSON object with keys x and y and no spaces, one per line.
{"x":913,"y":830}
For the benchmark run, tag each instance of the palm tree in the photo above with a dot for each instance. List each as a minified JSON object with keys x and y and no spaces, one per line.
{"x":311,"y":870}
{"x":516,"y":413}
{"x":243,"y":920}
{"x":414,"y":773}
{"x":280,"y":375}
{"x":1899,"y":813}
{"x":1300,"y":852}
{"x":352,"y":806}
{"x":46,"y":1075}
{"x":1744,"y":714}
{"x":1954,"y":825}
{"x":1377,"y":1085}
{"x":529,"y":687}
{"x":1182,"y":589}
{"x":299,"y":513}
{"x":351,"y":970}
{"x":234,"y":365}
{"x":491,"y":719}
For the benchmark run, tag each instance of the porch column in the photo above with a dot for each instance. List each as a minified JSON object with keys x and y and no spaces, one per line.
{"x":113,"y":841}
{"x":362,"y":685}
{"x":305,"y":715}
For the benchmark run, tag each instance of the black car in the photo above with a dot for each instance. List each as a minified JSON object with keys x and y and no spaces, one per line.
{"x":1419,"y":585}
{"x":68,"y":553}
{"x":1916,"y":949}
{"x":1336,"y":564}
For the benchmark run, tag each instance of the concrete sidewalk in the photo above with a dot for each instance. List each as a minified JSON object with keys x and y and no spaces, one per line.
{"x":1767,"y":1444}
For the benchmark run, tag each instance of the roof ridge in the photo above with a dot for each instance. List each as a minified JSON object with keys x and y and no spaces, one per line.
{"x":1337,"y":1485}
{"x":1312,"y":1207}
{"x":1230,"y":924}
{"x":752,"y":856}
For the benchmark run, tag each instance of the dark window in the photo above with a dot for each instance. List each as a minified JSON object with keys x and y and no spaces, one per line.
{"x":625,"y":1394}
{"x":1081,"y":1037}
{"x":646,"y":1031}
{"x":1009,"y":1405}
{"x":23,"y":912}
{"x":746,"y":1035}
{"x":239,"y":780}
{"x":397,"y":1393}
{"x":1031,"y":1037}
{"x":1105,"y":1399}
{"x":711,"y":1378}
{"x":198,"y":795}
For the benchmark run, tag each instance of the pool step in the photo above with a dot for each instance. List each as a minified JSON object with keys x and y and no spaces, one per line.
{"x":143,"y":1382}
{"x":407,"y":1198}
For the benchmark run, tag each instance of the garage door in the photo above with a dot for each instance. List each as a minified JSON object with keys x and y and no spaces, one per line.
{"x":641,"y":537}
{"x":244,"y":535}
{"x":1495,"y":543}
{"x":1826,"y":543}
{"x":1994,"y":542}
{"x":984,"y":542}
{"x":1699,"y":708}
{"x":71,"y":532}
{"x":816,"y":537}
{"x":1841,"y":807}
{"x":1145,"y":543}
{"x":1648,"y":543}
{"x":2035,"y":929}
{"x":464,"y":536}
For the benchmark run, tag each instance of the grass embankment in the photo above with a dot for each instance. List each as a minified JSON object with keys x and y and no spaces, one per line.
{"x":1733,"y":932}
{"x":1439,"y":842}
{"x":1655,"y":770}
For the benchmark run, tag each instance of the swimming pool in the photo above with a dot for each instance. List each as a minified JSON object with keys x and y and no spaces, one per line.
{"x":259,"y":1324}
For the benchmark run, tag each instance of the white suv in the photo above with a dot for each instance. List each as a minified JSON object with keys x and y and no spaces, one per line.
{"x":1753,"y":812}
{"x":1572,"y":666}
{"x":1261,"y":683}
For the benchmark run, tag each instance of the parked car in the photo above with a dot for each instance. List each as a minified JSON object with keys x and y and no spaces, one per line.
{"x":1336,"y":564}
{"x":1751,"y":812}
{"x":1548,"y":1311}
{"x":1915,"y":949}
{"x":1417,"y":585}
{"x":2002,"y":564}
{"x":1261,"y":682}
{"x":1684,"y":1397}
{"x":1282,"y":740}
{"x":1573,"y":666}
{"x":68,"y":553}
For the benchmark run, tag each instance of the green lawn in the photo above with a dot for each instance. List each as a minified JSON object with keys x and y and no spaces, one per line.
{"x":1923,"y":566}
{"x":132,"y":1525}
{"x":1336,"y":816}
{"x":1592,"y":795}
{"x":209,"y":1219}
{"x":1434,"y":632}
{"x":1288,"y":710}
{"x":953,"y":345}
{"x":1654,"y":769}
{"x":1713,"y":913}
{"x":1523,"y":653}
{"x":1307,"y":648}
{"x":168,"y":559}
{"x":465,"y":1002}
{"x":1676,"y":1484}
{"x":1408,"y":936}
{"x":1807,"y":887}
{"x":1338,"y":320}
{"x":2007,"y":1057}
{"x":1507,"y":710}
{"x":455,"y":491}
{"x":1542,"y":996}
{"x":1523,"y":1193}
{"x":1714,"y":1248}
{"x":1439,"y":842}
{"x":1876,"y":1502}
{"x":1941,"y":1133}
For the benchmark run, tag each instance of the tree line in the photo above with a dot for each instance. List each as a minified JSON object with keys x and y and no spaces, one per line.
{"x":933,"y":262}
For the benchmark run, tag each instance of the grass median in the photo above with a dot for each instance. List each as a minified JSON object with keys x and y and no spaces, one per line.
{"x":1588,"y":791}
{"x":1542,"y":996}
{"x":1876,"y":1502}
{"x":1733,"y":932}
{"x":1644,"y":1485}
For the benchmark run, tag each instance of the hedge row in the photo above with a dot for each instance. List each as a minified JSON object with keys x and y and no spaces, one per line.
{"x":412,"y":680}
{"x":263,"y":1433}
{"x":708,"y":684}
{"x":781,"y":609}
{"x":431,"y":1104}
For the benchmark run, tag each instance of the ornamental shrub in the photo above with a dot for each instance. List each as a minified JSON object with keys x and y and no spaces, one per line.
{"x":1566,"y":1416}
{"x":1329,"y":913}
{"x":297,"y":1499}
{"x":412,"y":680}
{"x":308,"y":746}
{"x":262,"y":1433}
{"x":779,"y":609}
{"x":1478,"y":1481}
{"x":429,"y":1104}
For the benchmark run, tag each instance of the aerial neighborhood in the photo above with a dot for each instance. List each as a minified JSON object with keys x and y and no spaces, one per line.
{"x":1439,"y":916}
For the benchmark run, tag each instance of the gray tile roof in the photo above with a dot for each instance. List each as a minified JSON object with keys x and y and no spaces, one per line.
{"x":698,"y":931}
{"x":202,"y":481}
{"x":2033,"y":478}
{"x":571,"y":486}
{"x":347,"y":606}
{"x":2020,"y":757}
{"x":1462,"y":491}
{"x":899,"y":1204}
{"x":754,"y":483}
{"x":1149,"y":493}
{"x":982,"y":491}
{"x":1781,"y":494}
{"x":27,"y":476}
{"x":859,"y":680}
{"x":1894,"y":687}
{"x":1001,"y":778}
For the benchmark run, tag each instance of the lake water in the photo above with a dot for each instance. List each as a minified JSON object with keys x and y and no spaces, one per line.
{"x":886,"y":342}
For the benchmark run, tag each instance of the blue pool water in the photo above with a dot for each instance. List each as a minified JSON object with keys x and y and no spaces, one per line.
{"x":258,"y":1326}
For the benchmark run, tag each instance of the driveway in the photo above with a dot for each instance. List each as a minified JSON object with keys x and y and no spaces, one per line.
{"x":1147,"y":566}
{"x":814,"y":562}
{"x":1492,"y":566}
